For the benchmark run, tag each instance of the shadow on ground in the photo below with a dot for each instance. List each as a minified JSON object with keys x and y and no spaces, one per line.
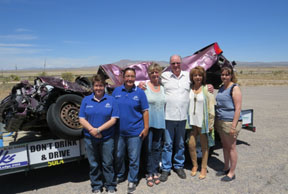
{"x":45,"y":177}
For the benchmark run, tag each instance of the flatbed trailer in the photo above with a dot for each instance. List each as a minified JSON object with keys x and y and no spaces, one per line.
{"x":23,"y":151}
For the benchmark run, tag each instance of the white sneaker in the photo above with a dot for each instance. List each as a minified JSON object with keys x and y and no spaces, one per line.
{"x":131,"y":187}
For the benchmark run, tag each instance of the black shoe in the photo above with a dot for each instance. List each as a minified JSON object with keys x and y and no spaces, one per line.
{"x":164,"y":176}
{"x":131,"y":187}
{"x":222,"y":173}
{"x":120,"y":180}
{"x":180,"y":172}
{"x":228,"y":179}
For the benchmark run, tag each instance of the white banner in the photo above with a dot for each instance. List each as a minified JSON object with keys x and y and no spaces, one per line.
{"x":49,"y":150}
{"x":13,"y":157}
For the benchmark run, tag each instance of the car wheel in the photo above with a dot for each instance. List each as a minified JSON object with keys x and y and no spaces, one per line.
{"x":62,"y":117}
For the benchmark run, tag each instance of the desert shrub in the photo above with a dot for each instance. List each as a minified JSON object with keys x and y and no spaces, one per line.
{"x":31,"y":78}
{"x":43,"y":73}
{"x":278,"y":72}
{"x":14,"y":77}
{"x":68,"y":76}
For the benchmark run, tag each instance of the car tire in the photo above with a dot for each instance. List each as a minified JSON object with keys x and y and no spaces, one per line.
{"x":62,"y":117}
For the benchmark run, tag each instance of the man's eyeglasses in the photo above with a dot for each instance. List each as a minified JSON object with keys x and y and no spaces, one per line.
{"x":130,"y":76}
{"x":175,"y":63}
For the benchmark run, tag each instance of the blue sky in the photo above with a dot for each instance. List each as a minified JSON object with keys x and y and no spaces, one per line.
{"x":74,"y":33}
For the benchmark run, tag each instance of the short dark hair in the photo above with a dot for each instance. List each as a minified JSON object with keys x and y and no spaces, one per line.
{"x":98,"y":78}
{"x":200,"y":70}
{"x":128,"y":69}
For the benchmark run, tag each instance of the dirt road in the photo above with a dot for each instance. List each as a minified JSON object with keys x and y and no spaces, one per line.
{"x":262,"y":165}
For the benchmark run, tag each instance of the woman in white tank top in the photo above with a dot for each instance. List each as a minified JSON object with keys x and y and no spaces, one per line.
{"x":201,"y":118}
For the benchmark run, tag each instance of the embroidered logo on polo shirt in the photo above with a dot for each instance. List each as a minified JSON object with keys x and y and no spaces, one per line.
{"x":89,"y":106}
{"x":136,"y":98}
{"x":118,"y":96}
{"x":108,"y":105}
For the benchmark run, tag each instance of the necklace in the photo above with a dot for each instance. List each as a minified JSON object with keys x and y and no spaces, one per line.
{"x":196,"y":92}
{"x":155,"y":87}
{"x":195,"y":100}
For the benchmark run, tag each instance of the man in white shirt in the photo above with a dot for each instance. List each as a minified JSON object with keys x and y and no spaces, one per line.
{"x":177,"y":86}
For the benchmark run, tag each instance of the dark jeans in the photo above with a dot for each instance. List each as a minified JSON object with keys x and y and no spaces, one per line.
{"x":174,"y":141}
{"x":100,"y":157}
{"x":131,"y":145}
{"x":153,"y":148}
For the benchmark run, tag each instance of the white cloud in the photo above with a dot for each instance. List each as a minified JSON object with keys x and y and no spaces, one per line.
{"x":15,"y":45}
{"x":37,"y":62}
{"x":16,"y":51}
{"x":18,"y":37}
{"x":22,"y":30}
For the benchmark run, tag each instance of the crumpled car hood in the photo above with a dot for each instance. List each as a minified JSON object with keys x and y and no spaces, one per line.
{"x":209,"y":57}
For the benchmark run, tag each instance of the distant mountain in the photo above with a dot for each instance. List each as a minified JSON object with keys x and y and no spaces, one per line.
{"x":127,"y":62}
{"x":266,"y":64}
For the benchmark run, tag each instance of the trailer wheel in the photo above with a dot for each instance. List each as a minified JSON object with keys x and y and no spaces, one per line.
{"x":62,"y":117}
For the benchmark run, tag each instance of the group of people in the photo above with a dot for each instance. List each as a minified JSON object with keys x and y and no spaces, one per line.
{"x":158,"y":111}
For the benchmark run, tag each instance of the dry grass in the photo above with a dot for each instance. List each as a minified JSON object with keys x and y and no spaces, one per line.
{"x":5,"y":89}
{"x":247,"y":76}
{"x":254,"y":76}
{"x":6,"y":83}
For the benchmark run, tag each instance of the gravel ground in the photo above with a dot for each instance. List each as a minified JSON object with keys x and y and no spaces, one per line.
{"x":262,"y":164}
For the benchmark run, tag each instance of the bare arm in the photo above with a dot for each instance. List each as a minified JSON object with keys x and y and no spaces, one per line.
{"x":86,"y":124}
{"x":93,"y":131}
{"x":145,"y":131}
{"x":142,"y":85}
{"x":237,"y":99}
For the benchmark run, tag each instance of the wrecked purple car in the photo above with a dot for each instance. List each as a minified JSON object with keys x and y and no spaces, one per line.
{"x":53,"y":103}
{"x":209,"y":57}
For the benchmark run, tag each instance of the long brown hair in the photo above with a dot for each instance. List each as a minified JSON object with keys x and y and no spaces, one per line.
{"x":231,"y":72}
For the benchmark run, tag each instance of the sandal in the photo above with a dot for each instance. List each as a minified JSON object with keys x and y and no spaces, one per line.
{"x":149,"y":181}
{"x":194,"y":171}
{"x":203,"y":173}
{"x":156,"y":179}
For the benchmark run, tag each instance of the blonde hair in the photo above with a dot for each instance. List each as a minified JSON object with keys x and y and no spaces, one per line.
{"x":154,"y":66}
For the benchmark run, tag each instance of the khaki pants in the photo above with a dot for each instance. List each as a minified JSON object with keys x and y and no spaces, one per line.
{"x":204,"y":147}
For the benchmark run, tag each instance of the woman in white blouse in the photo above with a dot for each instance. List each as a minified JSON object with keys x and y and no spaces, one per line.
{"x":201,"y":118}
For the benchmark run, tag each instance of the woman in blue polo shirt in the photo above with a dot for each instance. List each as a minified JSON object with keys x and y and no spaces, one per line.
{"x":133,"y":127}
{"x":98,"y":114}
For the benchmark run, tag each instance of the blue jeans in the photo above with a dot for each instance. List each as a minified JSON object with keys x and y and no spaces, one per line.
{"x":100,"y":157}
{"x":174,"y":140}
{"x":153,"y":148}
{"x":131,"y":145}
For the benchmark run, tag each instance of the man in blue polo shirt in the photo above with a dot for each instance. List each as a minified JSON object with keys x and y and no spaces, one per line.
{"x":98,"y":114}
{"x":133,"y":127}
